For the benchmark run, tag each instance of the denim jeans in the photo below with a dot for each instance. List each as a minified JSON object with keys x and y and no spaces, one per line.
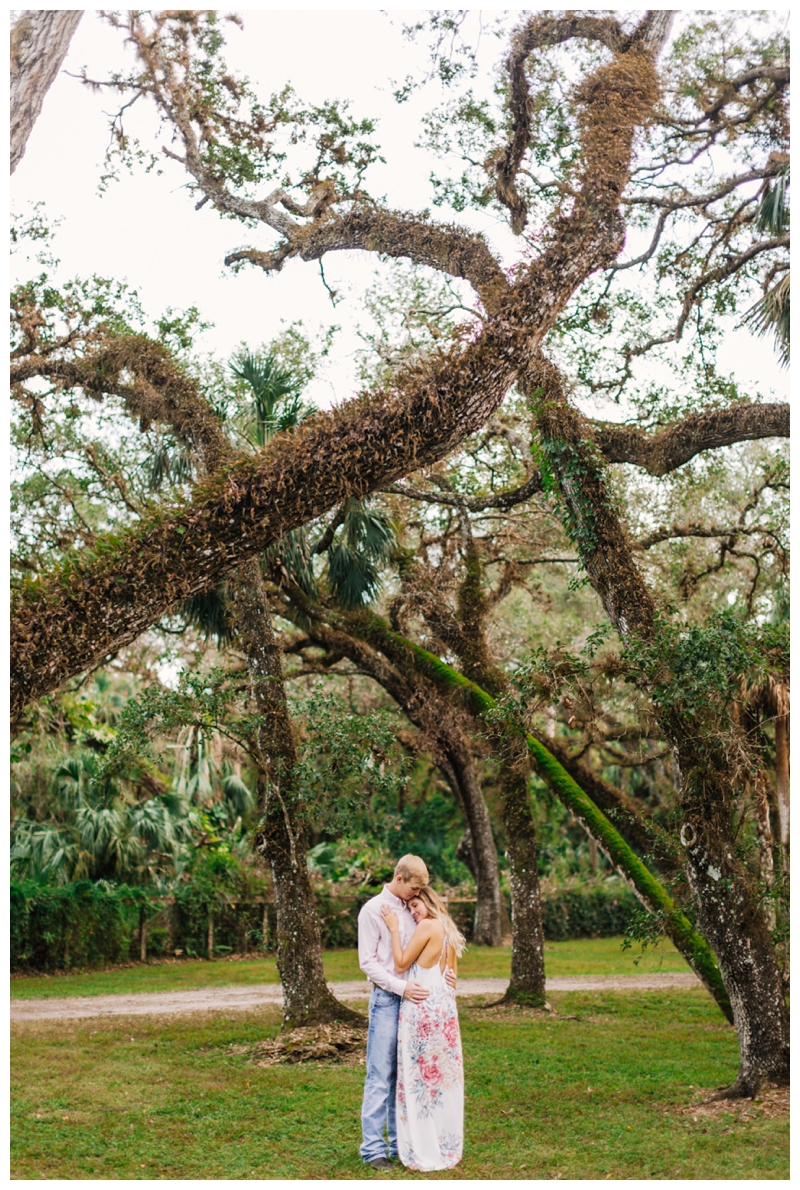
{"x":378,"y":1109}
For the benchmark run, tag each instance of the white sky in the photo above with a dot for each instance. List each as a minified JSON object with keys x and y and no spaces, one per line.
{"x":145,"y":229}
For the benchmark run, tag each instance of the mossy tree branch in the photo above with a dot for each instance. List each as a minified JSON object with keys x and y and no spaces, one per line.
{"x":649,"y":891}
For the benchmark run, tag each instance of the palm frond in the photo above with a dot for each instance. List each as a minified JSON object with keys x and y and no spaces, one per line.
{"x":770,"y":315}
{"x":369,"y":532}
{"x":270,"y":385}
{"x":237,"y":793}
{"x":168,"y":464}
{"x":210,"y":612}
{"x":353,"y":578}
{"x":368,"y":542}
{"x":292,"y":555}
{"x":773,"y":210}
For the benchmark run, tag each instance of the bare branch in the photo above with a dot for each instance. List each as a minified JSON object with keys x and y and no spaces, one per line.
{"x":503,"y":500}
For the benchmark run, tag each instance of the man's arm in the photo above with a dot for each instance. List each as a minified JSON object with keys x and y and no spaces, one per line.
{"x":368,"y":934}
{"x":404,"y":958}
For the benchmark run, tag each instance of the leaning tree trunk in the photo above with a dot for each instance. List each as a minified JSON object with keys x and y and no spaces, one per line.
{"x":462,"y":777}
{"x":652,"y":895}
{"x":527,"y":984}
{"x":450,"y":748}
{"x":782,"y":784}
{"x":39,"y":42}
{"x":729,"y":910}
{"x":282,"y":837}
{"x":162,"y":392}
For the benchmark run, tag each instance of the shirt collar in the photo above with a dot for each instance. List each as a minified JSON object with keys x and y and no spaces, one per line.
{"x":393,"y":900}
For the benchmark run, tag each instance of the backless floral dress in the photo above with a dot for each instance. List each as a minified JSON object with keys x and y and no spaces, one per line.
{"x":430,"y":1076}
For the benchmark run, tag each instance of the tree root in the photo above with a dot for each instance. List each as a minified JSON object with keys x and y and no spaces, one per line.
{"x":336,"y":1042}
{"x":748,"y":1087}
{"x":327,"y":1011}
{"x":519,"y":999}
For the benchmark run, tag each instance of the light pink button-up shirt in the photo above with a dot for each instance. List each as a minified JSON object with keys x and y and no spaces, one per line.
{"x":375,"y":956}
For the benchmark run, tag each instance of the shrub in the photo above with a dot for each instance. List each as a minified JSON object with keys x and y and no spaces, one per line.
{"x":71,"y":925}
{"x":587,"y":911}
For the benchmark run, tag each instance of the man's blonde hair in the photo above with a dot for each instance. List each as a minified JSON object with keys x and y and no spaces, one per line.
{"x":411,"y":869}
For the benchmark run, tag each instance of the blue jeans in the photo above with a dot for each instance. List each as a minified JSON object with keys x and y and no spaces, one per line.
{"x":378,"y":1108}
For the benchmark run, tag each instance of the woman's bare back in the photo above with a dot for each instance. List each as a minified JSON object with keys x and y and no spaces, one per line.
{"x":432,"y":951}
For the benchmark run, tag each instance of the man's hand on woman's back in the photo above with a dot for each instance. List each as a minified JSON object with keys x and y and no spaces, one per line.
{"x":415,"y":991}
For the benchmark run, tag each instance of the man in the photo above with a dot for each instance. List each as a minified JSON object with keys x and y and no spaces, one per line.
{"x":389,"y":987}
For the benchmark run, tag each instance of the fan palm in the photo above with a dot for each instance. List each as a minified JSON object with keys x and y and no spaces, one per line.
{"x":95,"y":832}
{"x":204,"y":777}
{"x":276,"y":404}
{"x":770,"y":314}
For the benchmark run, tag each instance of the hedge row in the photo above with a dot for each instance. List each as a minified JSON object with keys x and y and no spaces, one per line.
{"x":72,"y":925}
{"x":86,"y":924}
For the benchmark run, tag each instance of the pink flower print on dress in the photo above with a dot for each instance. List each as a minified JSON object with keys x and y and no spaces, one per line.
{"x":450,"y":1031}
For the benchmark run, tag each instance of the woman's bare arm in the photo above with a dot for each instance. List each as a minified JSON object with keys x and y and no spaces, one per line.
{"x":404,"y":958}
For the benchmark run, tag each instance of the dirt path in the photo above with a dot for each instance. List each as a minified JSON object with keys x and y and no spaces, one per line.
{"x":225,"y":999}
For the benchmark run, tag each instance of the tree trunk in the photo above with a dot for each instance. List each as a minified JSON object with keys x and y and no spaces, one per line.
{"x":39,"y":42}
{"x":738,"y":931}
{"x":282,"y":838}
{"x":527,"y":985}
{"x":527,"y":937}
{"x":463,"y":779}
{"x":782,"y":784}
{"x":766,"y":844}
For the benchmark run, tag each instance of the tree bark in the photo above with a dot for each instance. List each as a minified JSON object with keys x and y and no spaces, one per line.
{"x":527,"y":984}
{"x":782,"y":783}
{"x":461,"y":774}
{"x":39,"y":42}
{"x":282,"y":837}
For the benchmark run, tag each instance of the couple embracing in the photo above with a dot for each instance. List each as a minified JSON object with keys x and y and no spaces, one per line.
{"x":408,"y":946}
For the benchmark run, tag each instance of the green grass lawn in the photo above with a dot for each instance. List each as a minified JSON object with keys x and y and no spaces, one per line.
{"x":586,"y":956}
{"x":598,"y":1092}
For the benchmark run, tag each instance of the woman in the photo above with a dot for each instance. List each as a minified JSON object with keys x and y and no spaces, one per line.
{"x":430,"y":1069}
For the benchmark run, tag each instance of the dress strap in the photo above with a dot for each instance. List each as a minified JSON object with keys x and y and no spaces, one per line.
{"x":443,"y":951}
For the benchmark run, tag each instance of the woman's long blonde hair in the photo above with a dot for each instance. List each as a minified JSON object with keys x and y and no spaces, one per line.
{"x":437,"y":908}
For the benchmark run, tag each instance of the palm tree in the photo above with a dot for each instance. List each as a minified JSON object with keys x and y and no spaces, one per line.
{"x":96,"y":831}
{"x":275,"y":394}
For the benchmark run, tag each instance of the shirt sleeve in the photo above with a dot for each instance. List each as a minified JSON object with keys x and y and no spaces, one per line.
{"x":368,"y":934}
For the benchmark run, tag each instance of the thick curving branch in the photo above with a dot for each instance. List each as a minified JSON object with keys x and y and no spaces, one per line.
{"x":448,"y":248}
{"x":154,"y":389}
{"x":670,"y":448}
{"x":537,"y":33}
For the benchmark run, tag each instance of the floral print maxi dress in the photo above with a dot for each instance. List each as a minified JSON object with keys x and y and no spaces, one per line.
{"x":430,"y":1076}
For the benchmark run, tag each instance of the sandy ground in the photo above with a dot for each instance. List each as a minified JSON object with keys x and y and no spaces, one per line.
{"x":226,"y":999}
